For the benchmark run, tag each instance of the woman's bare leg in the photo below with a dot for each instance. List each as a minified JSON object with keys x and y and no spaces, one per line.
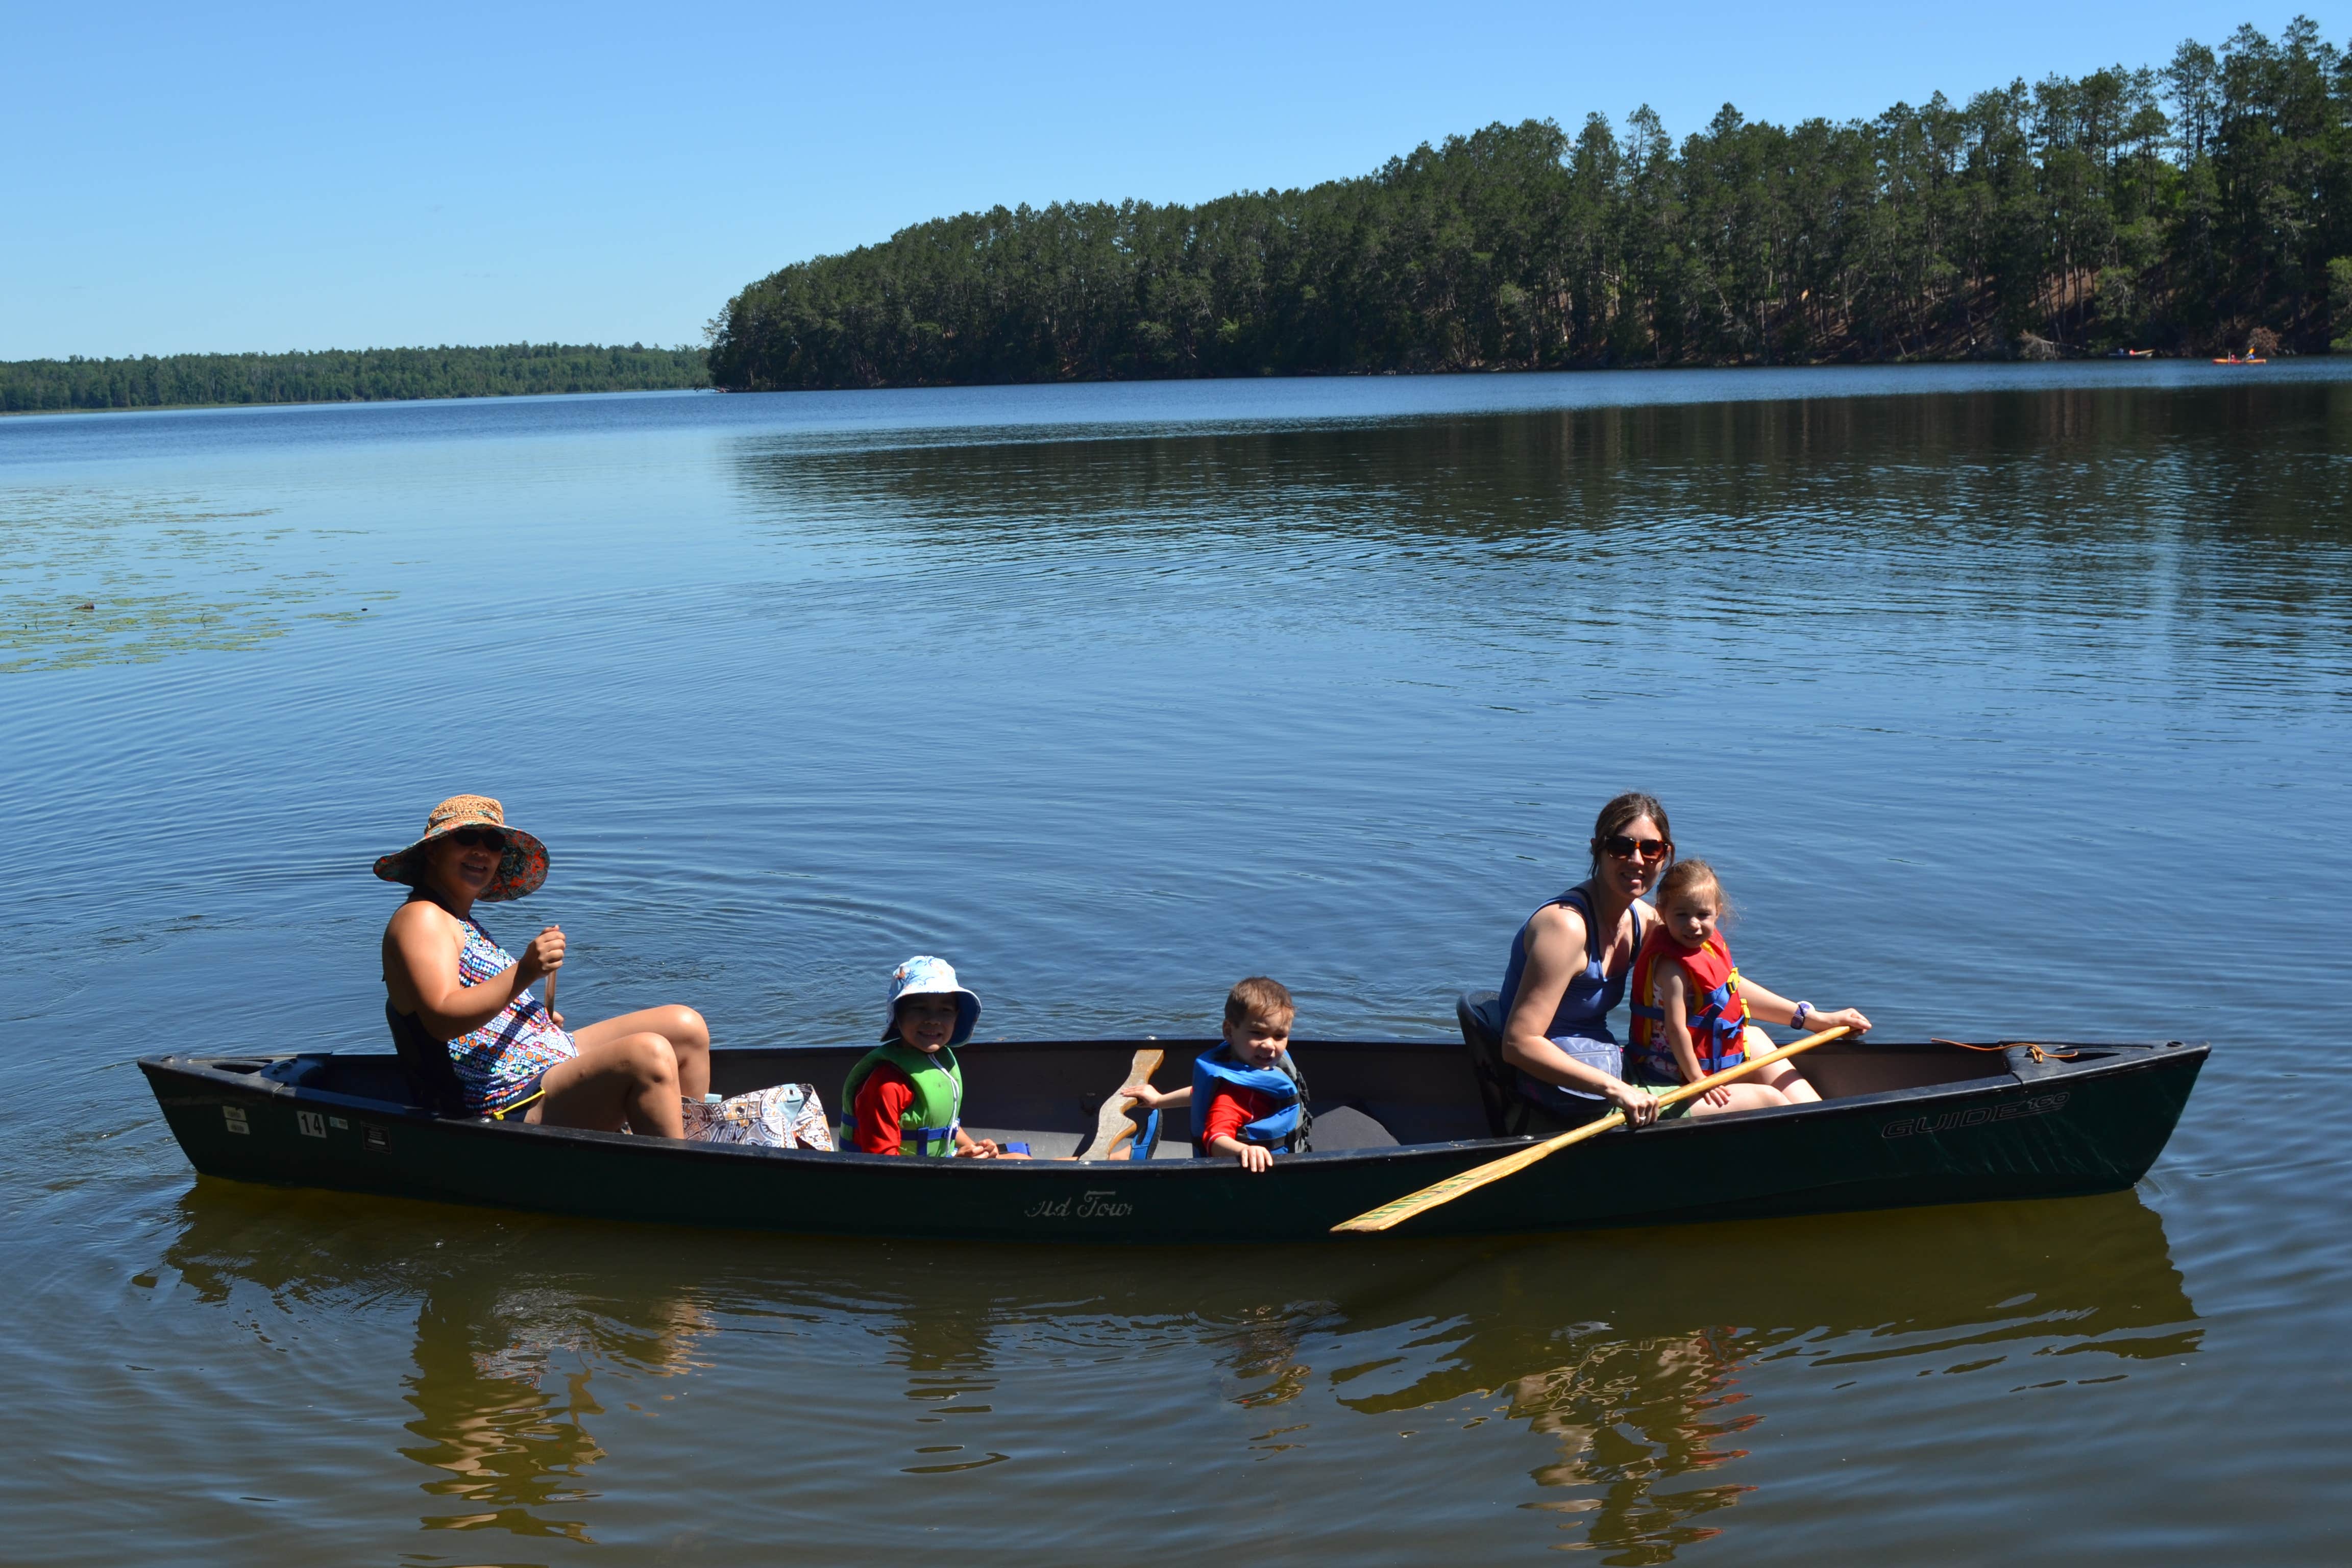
{"x":636,"y":1075}
{"x":688,"y":1038}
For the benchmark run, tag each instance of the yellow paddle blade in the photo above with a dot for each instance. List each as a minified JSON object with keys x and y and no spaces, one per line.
{"x":1452,"y":1187}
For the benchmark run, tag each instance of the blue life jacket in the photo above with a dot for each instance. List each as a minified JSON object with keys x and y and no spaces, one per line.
{"x":1280,"y":1129}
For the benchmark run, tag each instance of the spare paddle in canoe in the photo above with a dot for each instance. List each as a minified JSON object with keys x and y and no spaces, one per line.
{"x":1114,"y":1135}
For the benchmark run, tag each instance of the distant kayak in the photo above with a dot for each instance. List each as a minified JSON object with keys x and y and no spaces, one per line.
{"x":2242,"y":359}
{"x":2131,"y":353}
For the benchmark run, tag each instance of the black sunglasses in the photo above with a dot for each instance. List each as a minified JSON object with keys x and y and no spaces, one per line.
{"x":481,"y":838}
{"x":1625,"y":846}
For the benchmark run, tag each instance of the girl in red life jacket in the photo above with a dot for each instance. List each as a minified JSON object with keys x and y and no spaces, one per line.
{"x":1692,"y":1008}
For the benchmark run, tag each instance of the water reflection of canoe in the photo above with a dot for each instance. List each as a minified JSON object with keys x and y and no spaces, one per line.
{"x":1899,"y":1124}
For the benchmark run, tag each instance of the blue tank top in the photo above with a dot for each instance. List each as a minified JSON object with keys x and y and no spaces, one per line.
{"x":1591,"y":994}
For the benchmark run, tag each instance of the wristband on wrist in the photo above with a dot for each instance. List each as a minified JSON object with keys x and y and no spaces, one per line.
{"x":1804,"y":1009}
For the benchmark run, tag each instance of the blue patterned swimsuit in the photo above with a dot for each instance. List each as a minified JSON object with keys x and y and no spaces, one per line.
{"x":500,"y":1063}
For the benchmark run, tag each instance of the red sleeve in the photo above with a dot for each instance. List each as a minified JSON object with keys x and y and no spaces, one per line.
{"x":882,"y":1098}
{"x":1230,"y":1110}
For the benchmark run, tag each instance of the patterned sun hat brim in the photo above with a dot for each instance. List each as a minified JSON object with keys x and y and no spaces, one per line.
{"x":923,"y":975}
{"x":520,"y":871}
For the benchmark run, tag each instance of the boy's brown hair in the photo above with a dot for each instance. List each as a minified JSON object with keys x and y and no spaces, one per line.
{"x":1258,"y":997}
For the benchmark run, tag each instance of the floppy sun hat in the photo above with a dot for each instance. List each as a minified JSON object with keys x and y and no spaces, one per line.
{"x":923,"y":975}
{"x":520,"y":870}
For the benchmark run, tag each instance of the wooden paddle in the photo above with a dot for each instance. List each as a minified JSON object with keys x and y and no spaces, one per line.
{"x":1113,"y":1124}
{"x":1394,"y":1213}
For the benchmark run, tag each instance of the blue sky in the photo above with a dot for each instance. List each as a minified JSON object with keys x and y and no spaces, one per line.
{"x":310,"y":176}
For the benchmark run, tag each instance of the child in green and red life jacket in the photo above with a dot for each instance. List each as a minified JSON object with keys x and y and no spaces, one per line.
{"x":906,"y":1096}
{"x":1248,"y":1099}
{"x":1692,"y":1008}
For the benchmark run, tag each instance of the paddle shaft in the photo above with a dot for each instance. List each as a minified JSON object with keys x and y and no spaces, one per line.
{"x":1392,"y":1213}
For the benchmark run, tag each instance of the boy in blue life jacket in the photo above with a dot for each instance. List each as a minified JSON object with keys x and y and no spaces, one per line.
{"x":906,"y":1096}
{"x":1247,"y":1097}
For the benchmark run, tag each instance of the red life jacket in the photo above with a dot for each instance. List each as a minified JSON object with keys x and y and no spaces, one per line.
{"x":1716,"y":1016}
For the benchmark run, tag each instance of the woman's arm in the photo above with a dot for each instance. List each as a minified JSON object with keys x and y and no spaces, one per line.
{"x":421,"y":956}
{"x":1556,"y":951}
{"x":1555,"y":947}
{"x":1776,"y":1009}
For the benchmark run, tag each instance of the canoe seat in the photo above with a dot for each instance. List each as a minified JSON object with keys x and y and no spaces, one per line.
{"x":1480,"y":1013}
{"x":1345,"y":1127}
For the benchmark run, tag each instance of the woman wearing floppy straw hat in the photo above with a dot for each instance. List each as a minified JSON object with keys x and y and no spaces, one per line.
{"x":473,"y":1037}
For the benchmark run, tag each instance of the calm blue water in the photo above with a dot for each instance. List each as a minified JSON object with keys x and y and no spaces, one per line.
{"x":2008,"y":700}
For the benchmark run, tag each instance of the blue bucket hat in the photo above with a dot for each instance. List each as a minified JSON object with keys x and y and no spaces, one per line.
{"x":924,"y":975}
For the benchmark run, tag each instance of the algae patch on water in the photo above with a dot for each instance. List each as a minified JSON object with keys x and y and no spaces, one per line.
{"x":120,"y":577}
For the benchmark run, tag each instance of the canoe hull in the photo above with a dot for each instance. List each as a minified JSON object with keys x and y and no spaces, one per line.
{"x":2038,"y":1130}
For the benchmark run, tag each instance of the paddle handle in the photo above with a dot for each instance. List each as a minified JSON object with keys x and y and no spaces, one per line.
{"x":1429,"y":1198}
{"x":546,"y":999}
{"x":1112,"y":1123}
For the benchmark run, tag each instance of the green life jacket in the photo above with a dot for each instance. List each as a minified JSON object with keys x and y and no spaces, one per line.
{"x":928,"y":1126}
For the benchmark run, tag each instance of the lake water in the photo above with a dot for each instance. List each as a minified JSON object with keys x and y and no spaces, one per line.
{"x":2007,"y":700}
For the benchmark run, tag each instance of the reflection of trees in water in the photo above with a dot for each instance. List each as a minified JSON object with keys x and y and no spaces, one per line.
{"x":1990,"y":506}
{"x":515,"y":1452}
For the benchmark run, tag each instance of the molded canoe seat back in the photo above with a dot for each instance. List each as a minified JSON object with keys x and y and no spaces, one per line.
{"x":1480,"y":1012}
{"x":425,"y":1063}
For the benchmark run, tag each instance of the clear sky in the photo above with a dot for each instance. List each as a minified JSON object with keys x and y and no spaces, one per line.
{"x":313,"y":175}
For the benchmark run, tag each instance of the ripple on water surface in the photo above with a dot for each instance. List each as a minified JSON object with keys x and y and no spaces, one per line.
{"x":1985,"y":691}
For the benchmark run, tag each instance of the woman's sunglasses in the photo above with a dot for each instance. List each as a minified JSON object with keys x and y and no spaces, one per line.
{"x":1626,"y":848}
{"x":481,"y":838}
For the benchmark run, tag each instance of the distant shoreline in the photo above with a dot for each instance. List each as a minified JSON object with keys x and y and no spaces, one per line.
{"x":2287,"y":365}
{"x":78,"y":385}
{"x":338,"y":402}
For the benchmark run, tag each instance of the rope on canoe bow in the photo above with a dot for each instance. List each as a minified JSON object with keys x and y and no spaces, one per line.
{"x":2038,"y":1053}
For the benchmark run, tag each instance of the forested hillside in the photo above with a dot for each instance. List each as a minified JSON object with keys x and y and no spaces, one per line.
{"x":337,"y":375}
{"x":2187,"y":209}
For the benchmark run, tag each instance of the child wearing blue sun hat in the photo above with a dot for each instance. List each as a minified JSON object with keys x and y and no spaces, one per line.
{"x":905,"y":1097}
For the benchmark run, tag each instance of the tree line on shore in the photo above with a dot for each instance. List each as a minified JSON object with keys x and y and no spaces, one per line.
{"x":2194,"y":208}
{"x":338,"y":375}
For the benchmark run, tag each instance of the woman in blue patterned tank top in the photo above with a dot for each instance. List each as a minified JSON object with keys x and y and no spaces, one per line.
{"x":447,"y":980}
{"x":1568,"y":965}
